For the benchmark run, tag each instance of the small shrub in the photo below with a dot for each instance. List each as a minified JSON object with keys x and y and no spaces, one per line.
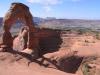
{"x":97,"y":36}
{"x":86,"y":41}
{"x":85,"y":69}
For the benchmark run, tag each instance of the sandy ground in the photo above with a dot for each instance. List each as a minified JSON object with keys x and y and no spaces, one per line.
{"x":8,"y":65}
{"x":85,"y":45}
{"x":88,"y":49}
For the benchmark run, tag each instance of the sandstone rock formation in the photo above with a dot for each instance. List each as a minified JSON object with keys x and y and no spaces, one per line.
{"x":19,"y":11}
{"x":6,"y":39}
{"x":63,"y":60}
{"x":20,"y":42}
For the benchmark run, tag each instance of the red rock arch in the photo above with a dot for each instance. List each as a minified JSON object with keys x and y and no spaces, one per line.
{"x":18,"y":11}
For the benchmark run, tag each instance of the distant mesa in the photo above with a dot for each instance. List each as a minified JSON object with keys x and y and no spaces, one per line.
{"x":51,"y":22}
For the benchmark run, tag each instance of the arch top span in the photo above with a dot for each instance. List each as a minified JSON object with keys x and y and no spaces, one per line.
{"x":18,"y":11}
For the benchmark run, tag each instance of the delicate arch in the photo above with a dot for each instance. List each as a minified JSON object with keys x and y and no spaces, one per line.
{"x":18,"y":11}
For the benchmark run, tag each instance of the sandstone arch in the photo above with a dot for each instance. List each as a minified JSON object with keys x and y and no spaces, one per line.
{"x":18,"y":11}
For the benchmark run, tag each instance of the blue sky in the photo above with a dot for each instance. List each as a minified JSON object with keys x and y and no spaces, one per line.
{"x":72,"y":9}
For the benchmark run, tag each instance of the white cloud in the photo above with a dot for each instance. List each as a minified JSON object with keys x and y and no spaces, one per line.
{"x":50,"y":2}
{"x":46,"y":2}
{"x":47,"y":5}
{"x":47,"y":8}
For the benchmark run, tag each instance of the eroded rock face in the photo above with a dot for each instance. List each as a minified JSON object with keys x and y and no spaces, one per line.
{"x":49,"y":40}
{"x":19,"y":11}
{"x":6,"y":39}
{"x":20,"y":42}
